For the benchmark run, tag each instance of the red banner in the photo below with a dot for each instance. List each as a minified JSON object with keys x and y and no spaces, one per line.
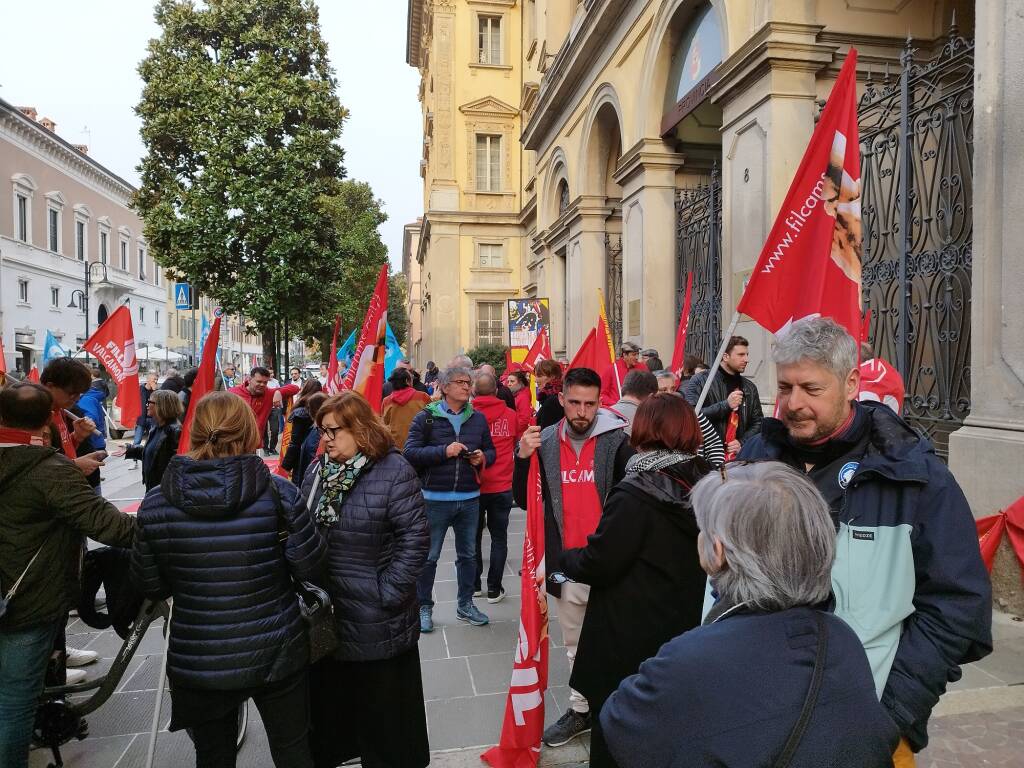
{"x":991,"y":529}
{"x":591,"y":354}
{"x":523,"y":727}
{"x":113,"y":344}
{"x":204,"y":381}
{"x":366,"y":373}
{"x":333,"y":385}
{"x":679,"y":351}
{"x":810,"y":264}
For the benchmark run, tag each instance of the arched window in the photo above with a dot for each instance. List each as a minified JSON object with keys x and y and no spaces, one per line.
{"x":693,"y":66}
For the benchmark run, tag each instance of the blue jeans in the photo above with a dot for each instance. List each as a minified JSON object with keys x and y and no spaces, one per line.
{"x":494,"y":511}
{"x":23,"y":657}
{"x":462,"y":516}
{"x":141,"y":430}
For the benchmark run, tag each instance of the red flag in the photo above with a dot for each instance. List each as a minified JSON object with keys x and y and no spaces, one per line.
{"x":3,"y":361}
{"x":591,"y":354}
{"x":880,"y":381}
{"x":33,"y":375}
{"x":508,"y":361}
{"x":865,"y":327}
{"x":810,"y":264}
{"x":113,"y":344}
{"x":679,"y":351}
{"x":366,"y":373}
{"x":204,"y":381}
{"x":540,"y":350}
{"x":991,"y":528}
{"x":333,"y":385}
{"x":524,"y":709}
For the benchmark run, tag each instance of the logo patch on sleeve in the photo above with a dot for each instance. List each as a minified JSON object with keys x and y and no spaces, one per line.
{"x":864,"y":535}
{"x":846,"y":473}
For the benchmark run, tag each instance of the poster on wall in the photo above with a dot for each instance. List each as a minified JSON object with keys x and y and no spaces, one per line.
{"x":525,"y":319}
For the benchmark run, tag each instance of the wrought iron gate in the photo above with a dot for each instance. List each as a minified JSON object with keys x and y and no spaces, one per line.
{"x":916,"y":169}
{"x":613,"y":283}
{"x":698,"y":251}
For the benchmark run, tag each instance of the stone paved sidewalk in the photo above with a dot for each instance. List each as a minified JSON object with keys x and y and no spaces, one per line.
{"x":466,"y":671}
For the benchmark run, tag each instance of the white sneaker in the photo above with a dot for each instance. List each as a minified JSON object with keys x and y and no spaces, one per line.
{"x":79,"y":658}
{"x":75,"y":676}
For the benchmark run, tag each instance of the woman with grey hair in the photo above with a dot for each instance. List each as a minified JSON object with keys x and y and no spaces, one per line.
{"x":770,"y":679}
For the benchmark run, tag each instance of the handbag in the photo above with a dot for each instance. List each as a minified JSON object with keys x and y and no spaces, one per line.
{"x":6,"y":599}
{"x":786,"y":756}
{"x":314,"y":602}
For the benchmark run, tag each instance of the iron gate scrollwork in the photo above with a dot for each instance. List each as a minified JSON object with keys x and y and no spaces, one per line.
{"x":916,"y":146}
{"x":613,"y":281}
{"x":698,"y":251}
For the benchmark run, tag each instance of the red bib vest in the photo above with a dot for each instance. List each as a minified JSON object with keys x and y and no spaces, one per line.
{"x":581,"y":506}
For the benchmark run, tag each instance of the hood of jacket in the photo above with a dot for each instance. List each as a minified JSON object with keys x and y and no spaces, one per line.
{"x":670,"y":487}
{"x":403,"y":396}
{"x":299,"y":413}
{"x":18,"y":459}
{"x":491,"y":406}
{"x":439,"y":412}
{"x":214,"y":488}
{"x":607,"y":421}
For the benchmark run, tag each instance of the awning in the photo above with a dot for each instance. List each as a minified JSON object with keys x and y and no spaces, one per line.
{"x":28,"y":347}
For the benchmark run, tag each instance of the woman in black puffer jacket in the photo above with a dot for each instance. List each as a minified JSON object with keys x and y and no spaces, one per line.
{"x":365,"y":499}
{"x":209,"y":538}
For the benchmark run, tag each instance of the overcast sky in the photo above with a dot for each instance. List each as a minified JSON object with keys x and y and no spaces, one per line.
{"x":76,"y":63}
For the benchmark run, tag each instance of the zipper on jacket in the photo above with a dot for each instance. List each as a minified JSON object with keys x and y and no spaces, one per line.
{"x":458,"y":463}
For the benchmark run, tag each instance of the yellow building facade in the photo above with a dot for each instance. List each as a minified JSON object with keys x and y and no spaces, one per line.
{"x":469,"y":254}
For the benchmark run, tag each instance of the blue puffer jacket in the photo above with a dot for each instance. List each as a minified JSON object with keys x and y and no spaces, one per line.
{"x":375,"y":552}
{"x":908,"y":575}
{"x":209,"y":538}
{"x":431,"y":433}
{"x":729,"y":693}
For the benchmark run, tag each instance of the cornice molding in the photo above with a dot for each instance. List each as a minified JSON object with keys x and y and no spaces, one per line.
{"x":489,"y":106}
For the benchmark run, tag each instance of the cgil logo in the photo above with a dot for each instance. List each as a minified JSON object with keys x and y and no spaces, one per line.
{"x":577,"y":475}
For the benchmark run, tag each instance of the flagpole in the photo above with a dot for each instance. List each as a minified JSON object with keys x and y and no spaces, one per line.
{"x":717,"y":361}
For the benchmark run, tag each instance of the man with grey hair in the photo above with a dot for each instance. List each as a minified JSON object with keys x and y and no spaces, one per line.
{"x":767,"y":543}
{"x":908,"y":576}
{"x":450,"y":444}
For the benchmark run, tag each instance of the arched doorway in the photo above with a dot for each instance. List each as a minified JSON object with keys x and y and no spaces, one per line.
{"x":101,"y":315}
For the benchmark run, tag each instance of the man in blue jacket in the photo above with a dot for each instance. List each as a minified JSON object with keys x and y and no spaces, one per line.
{"x":908,"y":575}
{"x":450,"y":444}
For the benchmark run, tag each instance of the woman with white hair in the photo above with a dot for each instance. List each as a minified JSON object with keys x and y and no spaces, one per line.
{"x":770,"y":679}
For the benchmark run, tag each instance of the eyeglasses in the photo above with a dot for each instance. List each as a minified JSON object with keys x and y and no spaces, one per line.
{"x":462,"y":382}
{"x":328,"y":432}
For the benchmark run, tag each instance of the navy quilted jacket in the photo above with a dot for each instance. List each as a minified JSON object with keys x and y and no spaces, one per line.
{"x":209,"y":538}
{"x":375,"y":553}
{"x":428,"y":440}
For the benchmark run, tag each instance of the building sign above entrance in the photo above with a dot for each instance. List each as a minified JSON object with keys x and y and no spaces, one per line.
{"x":688,"y":103}
{"x":693,"y":67}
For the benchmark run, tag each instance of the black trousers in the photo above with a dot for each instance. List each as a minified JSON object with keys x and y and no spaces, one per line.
{"x":284,"y":707}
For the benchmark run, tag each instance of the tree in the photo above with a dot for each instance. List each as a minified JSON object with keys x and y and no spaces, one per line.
{"x":398,"y":295}
{"x":492,"y":354}
{"x":240,"y":121}
{"x":356,"y":216}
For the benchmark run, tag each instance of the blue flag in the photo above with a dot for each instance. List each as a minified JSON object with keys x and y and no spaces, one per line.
{"x":204,"y":331}
{"x":392,"y":353}
{"x":52,"y":349}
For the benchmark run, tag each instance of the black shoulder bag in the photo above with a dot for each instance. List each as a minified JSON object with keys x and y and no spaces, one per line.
{"x":314,"y":602}
{"x":795,"y":736}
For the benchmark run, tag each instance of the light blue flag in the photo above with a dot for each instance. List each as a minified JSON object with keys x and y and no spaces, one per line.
{"x":204,"y":331}
{"x":52,"y":349}
{"x":392,"y":353}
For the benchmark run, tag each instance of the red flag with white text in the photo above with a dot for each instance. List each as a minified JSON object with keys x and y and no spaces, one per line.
{"x":679,"y":351}
{"x":523,"y":726}
{"x":811,"y":263}
{"x":113,"y":344}
{"x":204,"y":382}
{"x":366,"y":373}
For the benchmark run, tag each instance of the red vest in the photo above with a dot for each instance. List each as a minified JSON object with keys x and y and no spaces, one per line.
{"x":581,"y":505}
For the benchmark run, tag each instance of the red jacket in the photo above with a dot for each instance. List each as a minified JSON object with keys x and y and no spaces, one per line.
{"x":261,"y":406}
{"x":524,"y":410}
{"x":609,"y":386}
{"x":503,"y":421}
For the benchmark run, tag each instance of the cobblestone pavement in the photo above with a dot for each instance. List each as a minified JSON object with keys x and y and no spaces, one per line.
{"x":466,"y":671}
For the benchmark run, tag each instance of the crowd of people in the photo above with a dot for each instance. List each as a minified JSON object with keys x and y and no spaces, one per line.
{"x":731,"y":589}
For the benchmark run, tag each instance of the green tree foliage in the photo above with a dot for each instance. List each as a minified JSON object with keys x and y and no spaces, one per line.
{"x":493,"y":354}
{"x":398,"y":295}
{"x":241,"y":125}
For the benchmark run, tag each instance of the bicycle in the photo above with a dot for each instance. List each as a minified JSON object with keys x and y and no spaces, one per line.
{"x":58,"y":720}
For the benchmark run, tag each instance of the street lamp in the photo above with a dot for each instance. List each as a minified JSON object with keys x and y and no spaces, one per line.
{"x":80,"y":299}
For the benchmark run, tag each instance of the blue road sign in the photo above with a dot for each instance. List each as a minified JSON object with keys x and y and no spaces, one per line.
{"x":182,"y":296}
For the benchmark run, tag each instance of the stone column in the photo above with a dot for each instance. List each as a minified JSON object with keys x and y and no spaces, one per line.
{"x":987,"y":455}
{"x":646,"y":174}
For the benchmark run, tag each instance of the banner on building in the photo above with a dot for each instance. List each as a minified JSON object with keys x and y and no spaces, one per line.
{"x":526,"y":318}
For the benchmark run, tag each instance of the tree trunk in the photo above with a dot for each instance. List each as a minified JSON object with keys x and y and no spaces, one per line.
{"x":269,"y":348}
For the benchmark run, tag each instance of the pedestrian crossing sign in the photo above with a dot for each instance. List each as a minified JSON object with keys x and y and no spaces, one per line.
{"x":182,"y":296}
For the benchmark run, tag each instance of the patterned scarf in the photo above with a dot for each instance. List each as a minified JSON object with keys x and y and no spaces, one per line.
{"x":335,"y":481}
{"x":650,"y":461}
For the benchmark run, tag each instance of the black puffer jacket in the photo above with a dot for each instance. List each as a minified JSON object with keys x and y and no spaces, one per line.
{"x":376,"y":551}
{"x":209,"y":538}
